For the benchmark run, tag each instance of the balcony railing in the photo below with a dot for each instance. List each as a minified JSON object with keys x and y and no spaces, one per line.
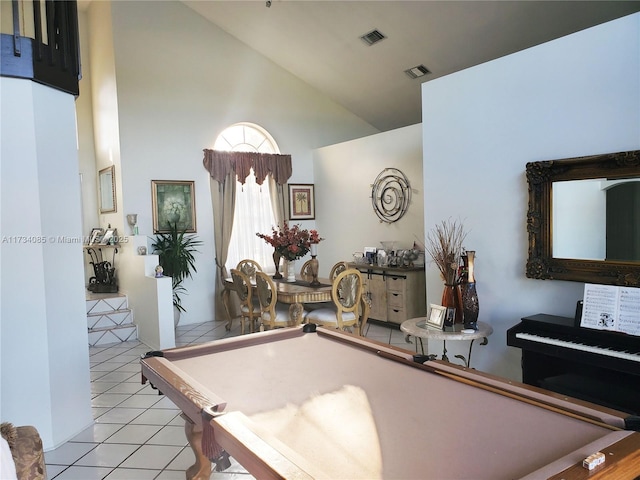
{"x":40,"y":42}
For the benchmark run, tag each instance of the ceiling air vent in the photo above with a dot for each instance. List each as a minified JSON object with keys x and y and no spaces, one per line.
{"x":417,"y":72}
{"x":374,"y":36}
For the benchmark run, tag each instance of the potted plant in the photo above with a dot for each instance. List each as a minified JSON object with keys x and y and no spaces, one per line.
{"x":175,"y":250}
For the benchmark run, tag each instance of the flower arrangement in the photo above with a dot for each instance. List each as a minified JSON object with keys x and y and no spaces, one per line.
{"x":444,"y":245}
{"x":291,"y":242}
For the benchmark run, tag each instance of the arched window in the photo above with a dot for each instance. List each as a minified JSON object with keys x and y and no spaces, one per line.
{"x":253,"y":212}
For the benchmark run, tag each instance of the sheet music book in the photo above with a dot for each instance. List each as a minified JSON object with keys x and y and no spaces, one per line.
{"x":612,"y":308}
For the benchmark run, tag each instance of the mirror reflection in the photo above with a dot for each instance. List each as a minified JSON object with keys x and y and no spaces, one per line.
{"x":596,"y":219}
{"x":107,"y":187}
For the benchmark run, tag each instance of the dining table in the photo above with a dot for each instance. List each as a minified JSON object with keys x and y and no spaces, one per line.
{"x":296,"y":294}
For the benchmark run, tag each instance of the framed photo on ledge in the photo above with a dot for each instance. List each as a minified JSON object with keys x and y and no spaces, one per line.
{"x":173,"y":202}
{"x":302,"y":205}
{"x":436,"y":316}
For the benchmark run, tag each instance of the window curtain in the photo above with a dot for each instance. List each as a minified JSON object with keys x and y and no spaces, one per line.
{"x":224,"y":168}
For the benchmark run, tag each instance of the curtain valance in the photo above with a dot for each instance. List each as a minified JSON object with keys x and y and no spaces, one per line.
{"x":220,"y":163}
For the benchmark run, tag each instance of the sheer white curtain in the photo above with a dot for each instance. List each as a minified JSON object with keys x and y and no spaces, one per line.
{"x":253,"y":214}
{"x":254,"y":206}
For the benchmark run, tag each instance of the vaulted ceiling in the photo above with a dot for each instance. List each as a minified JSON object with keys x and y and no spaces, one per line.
{"x":319,"y":41}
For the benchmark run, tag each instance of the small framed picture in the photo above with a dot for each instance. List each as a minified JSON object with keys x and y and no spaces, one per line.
{"x":450,"y":317}
{"x":302,"y":205}
{"x":95,"y":236}
{"x":109,"y":236}
{"x":436,"y":316}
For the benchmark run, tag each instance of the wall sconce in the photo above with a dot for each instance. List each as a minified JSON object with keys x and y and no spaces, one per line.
{"x":132,"y":219}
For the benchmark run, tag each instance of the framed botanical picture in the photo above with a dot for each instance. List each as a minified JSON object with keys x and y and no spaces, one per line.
{"x":173,"y":202}
{"x":302,"y":205}
{"x":436,"y":316}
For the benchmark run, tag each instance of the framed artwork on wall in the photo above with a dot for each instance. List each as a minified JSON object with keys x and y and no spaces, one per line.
{"x":302,"y":204}
{"x":107,"y":189}
{"x":173,"y":202}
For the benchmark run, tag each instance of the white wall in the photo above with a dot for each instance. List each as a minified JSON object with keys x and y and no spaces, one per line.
{"x":45,"y":359}
{"x":578,"y":95}
{"x":180,"y":81}
{"x":344,"y":174}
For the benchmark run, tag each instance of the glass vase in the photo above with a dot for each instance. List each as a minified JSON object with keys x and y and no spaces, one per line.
{"x":452,"y":301}
{"x":290,"y":270}
{"x":470,"y":305}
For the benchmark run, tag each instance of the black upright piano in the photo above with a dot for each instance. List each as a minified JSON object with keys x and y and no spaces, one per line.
{"x":593,"y":365}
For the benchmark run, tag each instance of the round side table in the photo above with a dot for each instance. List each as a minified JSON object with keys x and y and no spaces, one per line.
{"x":417,"y":327}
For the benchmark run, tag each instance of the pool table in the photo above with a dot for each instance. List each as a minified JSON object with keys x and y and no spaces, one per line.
{"x":307,"y":402}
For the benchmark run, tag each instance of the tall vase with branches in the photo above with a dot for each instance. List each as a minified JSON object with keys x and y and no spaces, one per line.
{"x":444,"y":245}
{"x":176,"y":254}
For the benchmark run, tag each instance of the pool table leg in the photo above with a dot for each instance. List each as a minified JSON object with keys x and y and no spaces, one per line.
{"x":201,"y":470}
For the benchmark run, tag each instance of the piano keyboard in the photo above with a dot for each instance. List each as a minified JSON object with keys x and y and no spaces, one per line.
{"x":634,"y":357}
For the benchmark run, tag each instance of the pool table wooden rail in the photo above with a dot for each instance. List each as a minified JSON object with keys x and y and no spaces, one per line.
{"x":266,"y":457}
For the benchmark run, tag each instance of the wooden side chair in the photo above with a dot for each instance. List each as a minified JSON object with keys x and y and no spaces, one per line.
{"x":338,"y":268}
{"x":346,"y":294}
{"x":249,"y":268}
{"x":305,"y":271}
{"x":249,"y":305}
{"x":273,"y":314}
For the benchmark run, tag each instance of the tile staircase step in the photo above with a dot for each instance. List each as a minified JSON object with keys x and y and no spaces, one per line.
{"x":112,"y":335}
{"x":105,"y":302}
{"x":109,"y":319}
{"x":112,"y":319}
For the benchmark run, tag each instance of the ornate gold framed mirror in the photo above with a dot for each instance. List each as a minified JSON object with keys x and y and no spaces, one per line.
{"x":583,"y":220}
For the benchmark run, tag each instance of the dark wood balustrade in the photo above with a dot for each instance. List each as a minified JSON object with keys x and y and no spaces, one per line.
{"x":52,"y":56}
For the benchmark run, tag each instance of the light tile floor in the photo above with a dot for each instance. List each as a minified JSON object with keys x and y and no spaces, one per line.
{"x":138,"y":434}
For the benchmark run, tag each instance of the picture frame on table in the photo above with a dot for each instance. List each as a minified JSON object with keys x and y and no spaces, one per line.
{"x":302,"y":205}
{"x":109,"y":237}
{"x":450,"y":317}
{"x":173,"y":202}
{"x":436,"y":316}
{"x":95,"y":236}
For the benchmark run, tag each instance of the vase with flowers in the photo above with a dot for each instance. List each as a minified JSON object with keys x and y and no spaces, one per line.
{"x":444,"y":245}
{"x":290,"y":243}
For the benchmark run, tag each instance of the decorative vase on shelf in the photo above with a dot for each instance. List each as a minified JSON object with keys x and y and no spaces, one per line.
{"x":313,"y":266}
{"x":276,"y":261}
{"x":290,"y":266}
{"x":470,"y":305}
{"x":452,"y":299}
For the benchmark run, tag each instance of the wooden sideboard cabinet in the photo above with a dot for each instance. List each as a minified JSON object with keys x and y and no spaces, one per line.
{"x":396,"y":294}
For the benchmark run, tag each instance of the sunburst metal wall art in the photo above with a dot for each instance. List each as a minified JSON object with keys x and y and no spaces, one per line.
{"x":390,"y":195}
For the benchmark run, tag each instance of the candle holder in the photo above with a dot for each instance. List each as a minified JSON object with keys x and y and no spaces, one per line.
{"x":313,"y":266}
{"x":132,"y":220}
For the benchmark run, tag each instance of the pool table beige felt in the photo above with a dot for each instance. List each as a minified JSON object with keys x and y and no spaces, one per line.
{"x":315,"y":403}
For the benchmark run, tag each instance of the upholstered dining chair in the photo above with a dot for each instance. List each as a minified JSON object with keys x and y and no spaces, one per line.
{"x":335,"y":270}
{"x":249,"y":268}
{"x":249,"y":305}
{"x":346,"y":294}
{"x":273,"y":314}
